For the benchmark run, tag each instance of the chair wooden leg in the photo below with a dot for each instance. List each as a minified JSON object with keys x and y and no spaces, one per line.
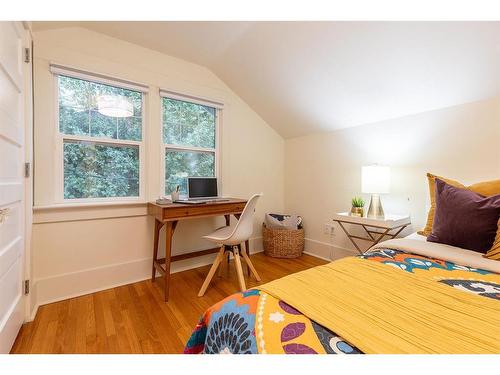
{"x":223,"y":264}
{"x":239,"y":270}
{"x":219,"y":258}
{"x":250,"y":265}
{"x":247,"y":250}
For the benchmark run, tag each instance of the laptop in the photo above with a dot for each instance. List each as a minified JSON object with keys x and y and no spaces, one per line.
{"x":202,"y":190}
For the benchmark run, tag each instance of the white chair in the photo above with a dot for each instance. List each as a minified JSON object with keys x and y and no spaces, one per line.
{"x":230,"y":240}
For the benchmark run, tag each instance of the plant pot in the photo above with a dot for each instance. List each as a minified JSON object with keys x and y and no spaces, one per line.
{"x":357,"y":211}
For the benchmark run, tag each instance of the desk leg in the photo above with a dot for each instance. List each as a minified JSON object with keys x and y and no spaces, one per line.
{"x":249,"y":263}
{"x":158,"y":226}
{"x":350,"y":238}
{"x":169,"y":233}
{"x":399,"y":231}
{"x":380,"y":237}
{"x":387,"y":233}
{"x":228,"y":219}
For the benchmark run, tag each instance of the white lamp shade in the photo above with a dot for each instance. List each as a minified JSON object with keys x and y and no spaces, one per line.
{"x":115,"y":106}
{"x":375,"y":179}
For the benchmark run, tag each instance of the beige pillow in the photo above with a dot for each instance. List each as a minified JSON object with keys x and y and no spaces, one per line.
{"x":431,"y":179}
{"x":494,"y":252}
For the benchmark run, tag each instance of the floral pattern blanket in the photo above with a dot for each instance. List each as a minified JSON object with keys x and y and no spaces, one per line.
{"x":255,"y":322}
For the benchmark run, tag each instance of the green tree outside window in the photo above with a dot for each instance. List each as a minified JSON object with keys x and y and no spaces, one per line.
{"x":98,"y":169}
{"x":191,"y":129}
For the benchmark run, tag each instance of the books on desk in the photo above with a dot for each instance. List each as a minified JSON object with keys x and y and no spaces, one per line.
{"x":163,"y":201}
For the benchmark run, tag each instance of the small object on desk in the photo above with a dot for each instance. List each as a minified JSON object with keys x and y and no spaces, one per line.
{"x":175,"y":194}
{"x":384,"y":227}
{"x":163,"y":201}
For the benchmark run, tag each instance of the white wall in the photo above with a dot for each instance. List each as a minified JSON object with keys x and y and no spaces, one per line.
{"x":78,"y":250}
{"x":323,"y":171}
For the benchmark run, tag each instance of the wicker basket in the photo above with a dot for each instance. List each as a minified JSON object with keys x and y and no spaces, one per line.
{"x":283,"y":243}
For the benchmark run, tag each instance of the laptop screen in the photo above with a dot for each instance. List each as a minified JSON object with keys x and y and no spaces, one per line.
{"x":202,"y":187}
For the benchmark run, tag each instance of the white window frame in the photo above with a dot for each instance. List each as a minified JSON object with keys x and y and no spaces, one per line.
{"x":218,"y":106}
{"x":59,"y":70}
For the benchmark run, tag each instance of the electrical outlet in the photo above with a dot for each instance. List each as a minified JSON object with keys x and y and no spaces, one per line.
{"x":328,"y":228}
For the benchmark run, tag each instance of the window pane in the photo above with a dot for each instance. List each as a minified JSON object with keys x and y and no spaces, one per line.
{"x":188,"y":124}
{"x":182,"y":164}
{"x":79,"y":115}
{"x":96,"y":170}
{"x":130,"y":127}
{"x":102,"y":125}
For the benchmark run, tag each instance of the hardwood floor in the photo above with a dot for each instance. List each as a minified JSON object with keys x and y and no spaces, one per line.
{"x":134,"y":319}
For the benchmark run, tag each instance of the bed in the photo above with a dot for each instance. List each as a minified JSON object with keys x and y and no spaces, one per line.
{"x":403,"y":296}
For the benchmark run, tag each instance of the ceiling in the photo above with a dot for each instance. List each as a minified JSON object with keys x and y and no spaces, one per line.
{"x":307,"y":77}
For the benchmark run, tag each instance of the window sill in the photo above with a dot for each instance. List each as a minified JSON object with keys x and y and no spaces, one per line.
{"x":69,"y":206}
{"x":88,"y":211}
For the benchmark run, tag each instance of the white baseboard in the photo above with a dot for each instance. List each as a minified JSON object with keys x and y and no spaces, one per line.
{"x":64,"y":286}
{"x":317,"y":256}
{"x":326,"y":251}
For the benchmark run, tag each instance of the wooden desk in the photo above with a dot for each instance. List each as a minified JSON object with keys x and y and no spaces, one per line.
{"x":169,"y":215}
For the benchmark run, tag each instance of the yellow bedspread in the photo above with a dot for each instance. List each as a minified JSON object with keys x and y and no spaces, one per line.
{"x":382,"y":309}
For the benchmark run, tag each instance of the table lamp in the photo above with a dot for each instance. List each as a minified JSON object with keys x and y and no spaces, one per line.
{"x":375,"y":180}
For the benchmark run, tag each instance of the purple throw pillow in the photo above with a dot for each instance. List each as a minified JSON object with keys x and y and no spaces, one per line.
{"x":464,"y":219}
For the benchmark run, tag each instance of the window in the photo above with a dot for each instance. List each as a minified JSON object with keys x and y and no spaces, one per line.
{"x":100,"y":137}
{"x":190,"y":137}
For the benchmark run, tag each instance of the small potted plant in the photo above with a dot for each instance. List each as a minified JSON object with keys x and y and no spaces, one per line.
{"x":357,"y":206}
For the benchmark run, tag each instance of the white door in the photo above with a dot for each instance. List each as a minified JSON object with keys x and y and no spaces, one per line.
{"x":12,"y":210}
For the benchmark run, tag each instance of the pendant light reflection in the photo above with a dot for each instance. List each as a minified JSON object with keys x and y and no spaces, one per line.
{"x":114,"y":106}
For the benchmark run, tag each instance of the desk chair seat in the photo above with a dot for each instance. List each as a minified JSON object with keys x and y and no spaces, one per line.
{"x":220,"y":235}
{"x":230,"y":240}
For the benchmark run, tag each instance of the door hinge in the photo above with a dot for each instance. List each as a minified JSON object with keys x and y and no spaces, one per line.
{"x":27,"y":55}
{"x":26,"y":287}
{"x":27,"y":169}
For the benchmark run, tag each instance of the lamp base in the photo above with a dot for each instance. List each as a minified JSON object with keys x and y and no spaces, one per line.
{"x":375,"y":209}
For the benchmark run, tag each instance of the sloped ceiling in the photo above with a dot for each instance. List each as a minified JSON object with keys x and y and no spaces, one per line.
{"x":306,"y":77}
